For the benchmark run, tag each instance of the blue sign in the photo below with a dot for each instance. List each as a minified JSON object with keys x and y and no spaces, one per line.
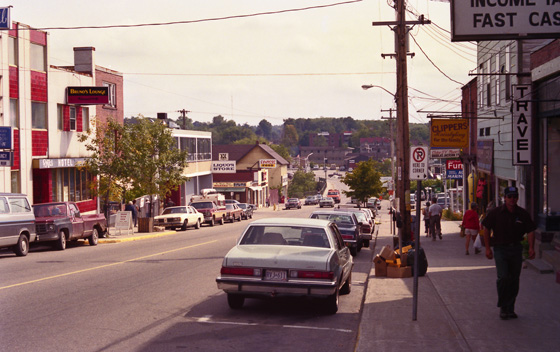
{"x":454,"y":174}
{"x":5,"y":137}
{"x":5,"y":22}
{"x":5,"y":158}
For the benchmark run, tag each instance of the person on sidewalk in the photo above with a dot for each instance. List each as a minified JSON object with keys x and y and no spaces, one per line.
{"x":131,"y":208}
{"x":426,"y":219}
{"x":471,"y":225}
{"x":435,"y":212}
{"x":509,"y":223}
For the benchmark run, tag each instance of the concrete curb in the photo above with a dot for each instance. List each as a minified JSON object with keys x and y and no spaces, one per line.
{"x":135,"y":237}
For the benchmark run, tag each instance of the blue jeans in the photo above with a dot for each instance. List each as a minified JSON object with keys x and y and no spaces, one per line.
{"x":509,"y":259}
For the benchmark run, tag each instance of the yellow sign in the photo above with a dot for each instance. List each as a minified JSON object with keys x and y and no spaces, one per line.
{"x":449,"y":133}
{"x":267,"y":163}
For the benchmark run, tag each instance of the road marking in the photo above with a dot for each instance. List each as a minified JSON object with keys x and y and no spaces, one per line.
{"x":104,"y":266}
{"x":208,"y":320}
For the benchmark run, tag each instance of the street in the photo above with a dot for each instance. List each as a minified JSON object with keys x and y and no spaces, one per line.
{"x":160,"y":294}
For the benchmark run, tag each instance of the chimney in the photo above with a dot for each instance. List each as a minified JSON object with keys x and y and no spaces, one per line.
{"x":84,"y":61}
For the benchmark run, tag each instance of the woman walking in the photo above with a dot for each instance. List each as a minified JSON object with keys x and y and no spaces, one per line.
{"x":471,"y":225}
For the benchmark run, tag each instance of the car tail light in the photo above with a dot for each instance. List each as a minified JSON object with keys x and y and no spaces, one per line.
{"x":307,"y":274}
{"x":240,"y":271}
{"x":347,"y":237}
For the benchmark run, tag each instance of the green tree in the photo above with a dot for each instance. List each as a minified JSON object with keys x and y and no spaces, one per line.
{"x":290,"y":136}
{"x":303,"y":183}
{"x":264,"y":129}
{"x":364,"y":182}
{"x":282,"y":150}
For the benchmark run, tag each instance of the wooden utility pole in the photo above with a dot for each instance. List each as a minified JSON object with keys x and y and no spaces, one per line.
{"x":401,"y":97}
{"x":184,"y":118}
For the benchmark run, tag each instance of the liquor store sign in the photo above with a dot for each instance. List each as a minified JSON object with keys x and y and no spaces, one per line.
{"x":504,"y":19}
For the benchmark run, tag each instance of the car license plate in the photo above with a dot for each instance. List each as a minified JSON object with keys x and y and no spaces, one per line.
{"x":275,"y":275}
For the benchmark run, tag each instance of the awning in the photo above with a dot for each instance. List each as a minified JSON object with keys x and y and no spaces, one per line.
{"x":230,"y":189}
{"x":256,"y":188}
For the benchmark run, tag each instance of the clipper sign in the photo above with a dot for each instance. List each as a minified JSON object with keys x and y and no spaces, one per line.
{"x":504,"y":19}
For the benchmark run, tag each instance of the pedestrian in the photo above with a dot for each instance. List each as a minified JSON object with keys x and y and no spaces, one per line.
{"x":471,"y":225}
{"x":131,"y":208}
{"x":426,"y":214}
{"x":435,"y":212}
{"x":508,"y":223}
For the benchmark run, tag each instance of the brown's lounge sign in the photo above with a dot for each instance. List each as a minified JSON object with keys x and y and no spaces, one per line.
{"x":88,"y":95}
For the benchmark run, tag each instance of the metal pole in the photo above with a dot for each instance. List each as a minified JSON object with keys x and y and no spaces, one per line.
{"x":416,"y":253}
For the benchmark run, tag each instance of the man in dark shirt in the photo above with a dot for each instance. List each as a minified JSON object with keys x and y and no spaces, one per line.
{"x":508,"y":223}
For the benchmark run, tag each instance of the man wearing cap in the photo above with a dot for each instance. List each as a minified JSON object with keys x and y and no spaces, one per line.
{"x":508,"y":223}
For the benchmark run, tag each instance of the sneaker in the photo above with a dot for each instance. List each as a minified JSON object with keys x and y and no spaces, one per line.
{"x":476,"y":251}
{"x":512,"y":315}
{"x":504,"y":315}
{"x":441,"y":238}
{"x":467,"y":253}
{"x":433,"y":238}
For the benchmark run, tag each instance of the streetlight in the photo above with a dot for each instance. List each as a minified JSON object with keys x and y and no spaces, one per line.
{"x":307,"y":162}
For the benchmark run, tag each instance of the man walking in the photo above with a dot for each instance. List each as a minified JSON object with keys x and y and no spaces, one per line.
{"x":509,"y":223}
{"x":435,"y":212}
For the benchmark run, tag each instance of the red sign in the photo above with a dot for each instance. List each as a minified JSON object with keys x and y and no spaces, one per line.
{"x":88,"y":95}
{"x":454,"y":164}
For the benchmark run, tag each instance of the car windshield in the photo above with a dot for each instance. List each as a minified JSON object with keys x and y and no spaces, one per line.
{"x":174,"y":210}
{"x":242,"y":205}
{"x":230,"y":206}
{"x":286,"y":235}
{"x":47,"y":210}
{"x":342,"y":220}
{"x":293,"y":200}
{"x":203,"y":205}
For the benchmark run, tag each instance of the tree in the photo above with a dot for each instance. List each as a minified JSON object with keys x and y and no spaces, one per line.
{"x":290,"y":136}
{"x":282,"y":150}
{"x":302,"y":183}
{"x":264,"y":129}
{"x":364,"y":182}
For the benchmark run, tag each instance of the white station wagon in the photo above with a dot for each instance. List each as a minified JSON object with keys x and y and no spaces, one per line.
{"x":179,"y":217}
{"x":287,"y":257}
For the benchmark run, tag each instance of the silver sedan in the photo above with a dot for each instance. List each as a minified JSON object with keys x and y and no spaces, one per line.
{"x":287,"y":257}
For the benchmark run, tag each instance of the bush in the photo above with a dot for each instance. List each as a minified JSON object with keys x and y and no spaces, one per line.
{"x":449,"y":215}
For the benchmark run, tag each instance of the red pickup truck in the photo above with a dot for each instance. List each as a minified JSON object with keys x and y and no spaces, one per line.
{"x":61,"y":222}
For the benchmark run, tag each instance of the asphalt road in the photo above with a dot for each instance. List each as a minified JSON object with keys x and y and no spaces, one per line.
{"x":160,"y":295}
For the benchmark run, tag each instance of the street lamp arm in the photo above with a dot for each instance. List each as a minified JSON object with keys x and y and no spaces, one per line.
{"x":368,"y":86}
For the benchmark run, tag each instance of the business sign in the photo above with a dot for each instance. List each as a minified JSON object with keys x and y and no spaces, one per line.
{"x":5,"y":21}
{"x":87,"y":95}
{"x":485,"y":155}
{"x":521,"y":122}
{"x":504,"y":19}
{"x":6,"y":158}
{"x":418,"y":163}
{"x":223,"y":156}
{"x":223,"y":167}
{"x":449,"y":133}
{"x":267,"y":163}
{"x":454,"y":169}
{"x":60,"y":163}
{"x":5,"y":137}
{"x":444,"y":153}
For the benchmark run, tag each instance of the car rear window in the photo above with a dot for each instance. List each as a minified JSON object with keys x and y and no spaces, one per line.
{"x":286,"y":235}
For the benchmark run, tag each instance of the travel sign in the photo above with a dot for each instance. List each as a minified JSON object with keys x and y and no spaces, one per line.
{"x":504,"y":19}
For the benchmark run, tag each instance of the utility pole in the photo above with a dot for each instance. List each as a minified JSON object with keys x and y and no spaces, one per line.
{"x":401,"y":97}
{"x":184,"y":118}
{"x":391,"y":118}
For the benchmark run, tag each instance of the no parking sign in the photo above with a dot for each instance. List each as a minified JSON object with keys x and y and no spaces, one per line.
{"x":418,"y":163}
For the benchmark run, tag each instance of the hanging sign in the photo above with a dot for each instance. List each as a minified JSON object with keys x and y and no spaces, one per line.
{"x":418,"y":163}
{"x":521,"y":128}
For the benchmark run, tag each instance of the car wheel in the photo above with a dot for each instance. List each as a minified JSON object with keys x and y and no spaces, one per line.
{"x":251,"y":216}
{"x":331,"y":303}
{"x":347,"y":287}
{"x":222,"y":221}
{"x":353,"y":251}
{"x":22,"y":247}
{"x":93,"y":239}
{"x":239,"y":218}
{"x":60,"y":244}
{"x":320,"y":206}
{"x":197,"y":226}
{"x":212,"y":222}
{"x":366,"y":243}
{"x":235,"y":301}
{"x":184,"y":227}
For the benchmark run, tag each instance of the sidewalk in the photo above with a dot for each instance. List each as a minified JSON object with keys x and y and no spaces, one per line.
{"x":456,"y":309}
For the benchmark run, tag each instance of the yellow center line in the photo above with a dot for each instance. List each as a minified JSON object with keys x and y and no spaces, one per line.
{"x":104,"y":266}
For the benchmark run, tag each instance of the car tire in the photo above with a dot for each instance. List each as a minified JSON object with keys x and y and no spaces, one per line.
{"x":60,"y":244}
{"x":347,"y":287}
{"x":94,"y":238}
{"x":185,"y":225}
{"x":353,"y":251}
{"x":366,"y":243}
{"x":235,"y":301}
{"x":197,"y":226}
{"x":239,"y":218}
{"x":22,"y":247}
{"x":212,"y":222}
{"x":331,"y":303}
{"x":222,"y":221}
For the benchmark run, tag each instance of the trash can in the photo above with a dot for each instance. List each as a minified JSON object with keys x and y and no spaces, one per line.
{"x":145,"y":224}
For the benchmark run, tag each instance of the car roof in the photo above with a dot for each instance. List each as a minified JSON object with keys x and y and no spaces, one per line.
{"x":291,"y":222}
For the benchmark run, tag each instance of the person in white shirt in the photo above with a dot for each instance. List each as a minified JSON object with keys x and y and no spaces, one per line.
{"x":435,"y":212}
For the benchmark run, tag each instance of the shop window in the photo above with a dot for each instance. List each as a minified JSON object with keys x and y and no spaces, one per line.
{"x":13,"y":51}
{"x":38,"y":57}
{"x":71,"y":184}
{"x":72,"y":118}
{"x":14,"y":113}
{"x":85,"y":119}
{"x":39,"y":115}
{"x":112,"y":94}
{"x":60,"y":117}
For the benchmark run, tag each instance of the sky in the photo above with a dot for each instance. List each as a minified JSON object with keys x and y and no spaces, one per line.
{"x":303,"y":60}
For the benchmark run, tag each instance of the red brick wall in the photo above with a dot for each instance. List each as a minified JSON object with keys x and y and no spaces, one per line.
{"x":79,"y":119}
{"x":545,"y":54}
{"x":14,"y":84}
{"x":40,"y":142}
{"x":17,"y":157}
{"x":103,"y":112}
{"x":38,"y":37}
{"x":38,"y":86}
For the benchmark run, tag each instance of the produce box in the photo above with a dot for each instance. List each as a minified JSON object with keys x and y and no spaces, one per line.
{"x":380,"y":266}
{"x":396,"y":272}
{"x":387,"y":253}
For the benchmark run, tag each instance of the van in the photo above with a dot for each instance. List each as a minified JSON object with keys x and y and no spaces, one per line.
{"x":17,"y":223}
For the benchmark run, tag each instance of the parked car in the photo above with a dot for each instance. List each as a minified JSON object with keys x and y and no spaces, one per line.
{"x":232,"y":201}
{"x":17,"y":223}
{"x":182,"y":216}
{"x":293,"y":203}
{"x":366,"y":228}
{"x":60,"y":222}
{"x":311,"y":200}
{"x":247,"y":210}
{"x":233,"y":212}
{"x":348,"y":226}
{"x":211,"y":212}
{"x":326,"y":202}
{"x":371,"y":202}
{"x":287,"y":257}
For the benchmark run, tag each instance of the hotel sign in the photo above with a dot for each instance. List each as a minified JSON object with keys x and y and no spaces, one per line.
{"x":60,"y":163}
{"x":5,"y":21}
{"x":504,"y":19}
{"x":87,"y":95}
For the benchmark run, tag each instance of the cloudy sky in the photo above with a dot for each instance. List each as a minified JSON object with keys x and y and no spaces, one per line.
{"x":302,"y":60}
